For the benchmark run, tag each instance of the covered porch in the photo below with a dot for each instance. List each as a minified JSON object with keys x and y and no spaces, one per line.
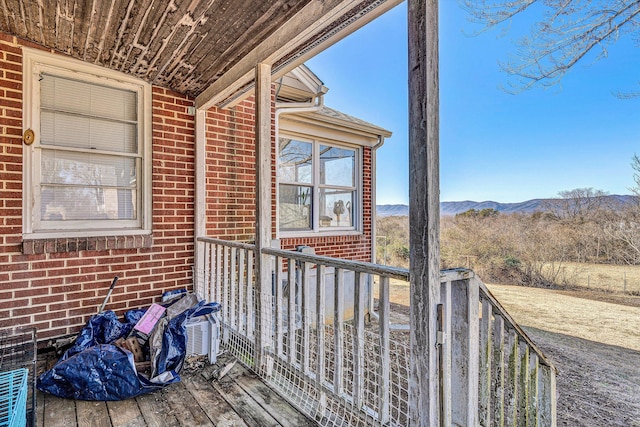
{"x":349,"y":363}
{"x":333,"y":354}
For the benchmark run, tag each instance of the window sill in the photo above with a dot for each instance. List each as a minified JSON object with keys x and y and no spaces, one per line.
{"x":77,"y":244}
{"x":317,"y":234}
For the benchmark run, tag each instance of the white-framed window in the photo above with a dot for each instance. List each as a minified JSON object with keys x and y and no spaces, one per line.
{"x":319,"y":186}
{"x":88,"y":171}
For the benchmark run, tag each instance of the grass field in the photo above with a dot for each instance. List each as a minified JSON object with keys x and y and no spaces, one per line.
{"x":619,"y":279}
{"x":593,"y":342}
{"x":605,"y":277}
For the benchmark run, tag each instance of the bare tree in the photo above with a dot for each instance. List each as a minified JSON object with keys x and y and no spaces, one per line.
{"x":635,"y":164}
{"x":568,"y":32}
{"x":578,"y":205}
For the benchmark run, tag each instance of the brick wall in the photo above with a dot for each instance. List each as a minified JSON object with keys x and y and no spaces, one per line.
{"x":230,"y":158}
{"x":57,"y":285}
{"x":231,"y":169}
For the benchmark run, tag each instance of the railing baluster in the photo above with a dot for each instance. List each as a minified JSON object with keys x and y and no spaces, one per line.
{"x":278,"y":303}
{"x":384,"y":308}
{"x":485,"y":364}
{"x":226,"y":312}
{"x":447,"y":352}
{"x":232,"y":288}
{"x":242,"y":309}
{"x":251,"y":312}
{"x":291,"y":314}
{"x":212,"y":272}
{"x":305,"y":319}
{"x":205,"y":270}
{"x":218,"y":287}
{"x":497,"y":371}
{"x":511,"y":378}
{"x":523,"y":384}
{"x":358,"y":340}
{"x":338,"y":331}
{"x":534,"y":392}
{"x":320,"y":321}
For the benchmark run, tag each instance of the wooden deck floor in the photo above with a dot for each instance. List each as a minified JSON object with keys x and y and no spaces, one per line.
{"x":238,"y":399}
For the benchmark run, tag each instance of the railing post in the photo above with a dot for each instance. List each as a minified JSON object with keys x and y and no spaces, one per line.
{"x":263,"y":217}
{"x":465,"y":345}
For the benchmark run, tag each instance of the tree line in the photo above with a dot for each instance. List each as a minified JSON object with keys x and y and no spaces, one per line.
{"x":581,"y":225}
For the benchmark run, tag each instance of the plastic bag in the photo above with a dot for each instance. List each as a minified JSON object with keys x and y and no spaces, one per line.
{"x":95,"y":369}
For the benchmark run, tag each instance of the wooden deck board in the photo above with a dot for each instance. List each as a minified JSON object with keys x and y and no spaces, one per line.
{"x":155,"y":412}
{"x":40,"y":409}
{"x":218,"y":410}
{"x":92,"y":414}
{"x":239,"y":399}
{"x":279,"y":408}
{"x":250,"y":411}
{"x":186,"y":409}
{"x":125,"y":413}
{"x":59,"y":412}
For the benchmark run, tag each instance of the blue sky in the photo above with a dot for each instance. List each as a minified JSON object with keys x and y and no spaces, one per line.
{"x":493,"y":145}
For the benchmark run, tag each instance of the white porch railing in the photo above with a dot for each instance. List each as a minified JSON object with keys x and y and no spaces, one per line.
{"x":340,"y":370}
{"x":491,"y":372}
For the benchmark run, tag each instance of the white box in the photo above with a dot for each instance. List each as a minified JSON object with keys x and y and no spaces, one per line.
{"x":203,"y":337}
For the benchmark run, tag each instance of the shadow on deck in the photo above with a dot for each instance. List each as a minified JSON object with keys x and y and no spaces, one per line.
{"x":239,"y":398}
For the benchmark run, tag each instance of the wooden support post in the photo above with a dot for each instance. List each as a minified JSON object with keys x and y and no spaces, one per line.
{"x":424,"y":212}
{"x":200,"y":202}
{"x":263,"y":216}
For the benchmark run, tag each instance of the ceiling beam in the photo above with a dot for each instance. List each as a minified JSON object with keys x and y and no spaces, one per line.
{"x":312,"y":19}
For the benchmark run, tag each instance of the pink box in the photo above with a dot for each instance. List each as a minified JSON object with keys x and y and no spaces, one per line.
{"x":150,"y":318}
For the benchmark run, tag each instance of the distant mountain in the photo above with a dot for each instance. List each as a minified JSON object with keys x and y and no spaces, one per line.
{"x":530,"y":206}
{"x":392,"y":210}
{"x":452,"y":208}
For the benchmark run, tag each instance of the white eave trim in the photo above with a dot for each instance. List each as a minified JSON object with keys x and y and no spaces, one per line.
{"x":332,"y":128}
{"x":309,"y":79}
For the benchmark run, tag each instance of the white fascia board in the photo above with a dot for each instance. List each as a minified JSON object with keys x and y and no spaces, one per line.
{"x":309,"y":79}
{"x":304,"y":126}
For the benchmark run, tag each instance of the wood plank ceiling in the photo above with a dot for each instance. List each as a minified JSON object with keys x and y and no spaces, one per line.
{"x":182,"y":45}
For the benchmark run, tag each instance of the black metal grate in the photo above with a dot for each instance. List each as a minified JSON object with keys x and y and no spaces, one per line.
{"x":18,"y":349}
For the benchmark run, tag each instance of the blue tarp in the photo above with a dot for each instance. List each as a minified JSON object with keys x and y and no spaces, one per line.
{"x":95,"y":369}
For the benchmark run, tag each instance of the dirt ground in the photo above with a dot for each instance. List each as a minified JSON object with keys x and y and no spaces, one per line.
{"x":593,"y":339}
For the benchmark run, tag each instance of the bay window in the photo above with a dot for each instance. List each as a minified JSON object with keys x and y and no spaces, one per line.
{"x":318,"y":186}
